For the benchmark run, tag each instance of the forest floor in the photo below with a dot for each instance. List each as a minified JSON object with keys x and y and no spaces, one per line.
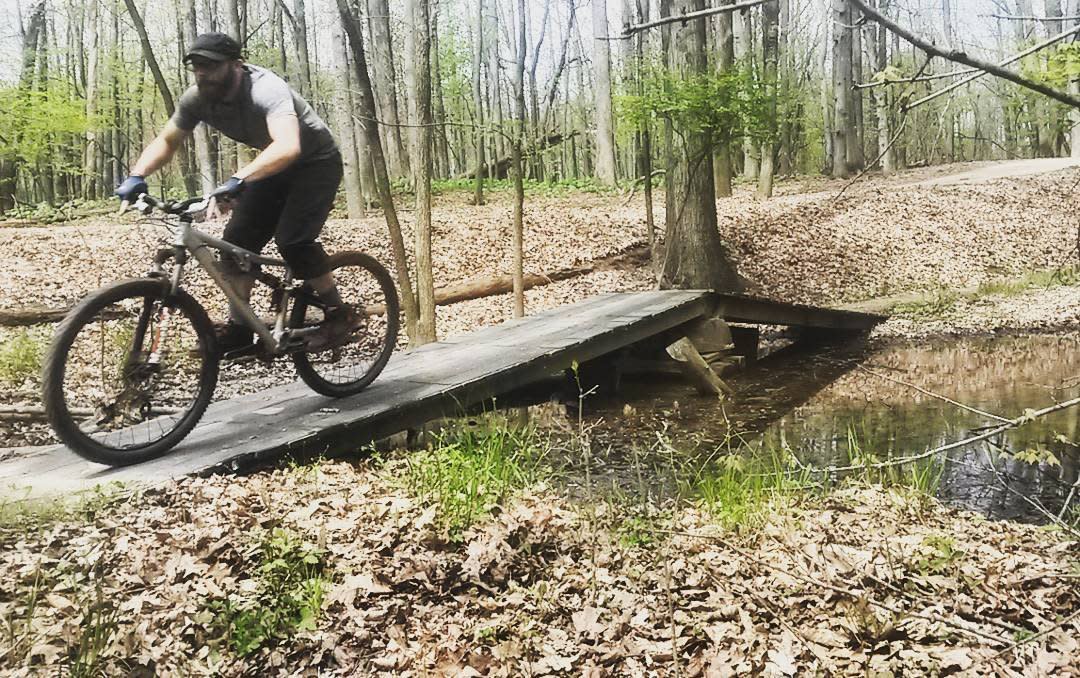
{"x":472,"y":557}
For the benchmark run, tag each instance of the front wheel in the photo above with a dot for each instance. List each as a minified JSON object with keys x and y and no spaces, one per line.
{"x":130,"y":372}
{"x":353,"y":364}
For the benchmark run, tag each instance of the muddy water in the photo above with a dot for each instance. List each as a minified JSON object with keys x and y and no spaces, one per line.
{"x":825,"y":406}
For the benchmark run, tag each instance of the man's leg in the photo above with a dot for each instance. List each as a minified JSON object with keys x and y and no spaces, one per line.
{"x":310,"y":198}
{"x":251,"y":226}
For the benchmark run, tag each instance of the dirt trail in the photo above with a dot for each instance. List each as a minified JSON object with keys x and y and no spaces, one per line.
{"x":983,"y":172}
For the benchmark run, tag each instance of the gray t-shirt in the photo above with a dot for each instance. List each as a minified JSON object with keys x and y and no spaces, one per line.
{"x":262,"y":95}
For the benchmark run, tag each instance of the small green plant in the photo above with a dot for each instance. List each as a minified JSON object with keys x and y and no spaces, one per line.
{"x":18,"y":631}
{"x":21,"y":355}
{"x":640,"y":529}
{"x":938,"y":304}
{"x":100,"y":621}
{"x":470,"y":471}
{"x":936,"y":555}
{"x":290,"y":588}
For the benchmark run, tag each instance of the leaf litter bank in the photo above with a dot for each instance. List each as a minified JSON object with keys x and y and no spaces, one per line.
{"x":859,"y":580}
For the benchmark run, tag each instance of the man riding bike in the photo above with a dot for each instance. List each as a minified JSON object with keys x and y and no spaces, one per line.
{"x":285,"y":193}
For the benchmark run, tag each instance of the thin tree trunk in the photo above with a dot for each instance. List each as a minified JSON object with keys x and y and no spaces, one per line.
{"x":91,"y":162}
{"x":770,"y":25}
{"x":366,"y":106}
{"x":605,"y":135}
{"x":519,"y":169}
{"x":386,"y":85}
{"x":425,"y":281}
{"x":300,"y":40}
{"x":725,"y":45}
{"x":841,"y":85}
{"x":478,"y":54}
{"x":207,"y":176}
{"x":342,"y":110}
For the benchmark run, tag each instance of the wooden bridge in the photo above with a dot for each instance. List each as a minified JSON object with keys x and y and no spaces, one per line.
{"x":442,"y":379}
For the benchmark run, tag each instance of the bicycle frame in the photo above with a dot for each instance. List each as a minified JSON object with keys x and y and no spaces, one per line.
{"x":188,"y":239}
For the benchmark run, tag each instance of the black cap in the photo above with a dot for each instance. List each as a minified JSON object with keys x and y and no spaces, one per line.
{"x":214,"y":46}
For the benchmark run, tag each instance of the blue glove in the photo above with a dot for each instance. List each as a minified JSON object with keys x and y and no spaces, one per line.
{"x":131,"y":188}
{"x":229,"y":190}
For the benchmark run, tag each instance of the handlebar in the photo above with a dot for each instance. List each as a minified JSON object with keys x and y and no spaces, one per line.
{"x":146,"y":203}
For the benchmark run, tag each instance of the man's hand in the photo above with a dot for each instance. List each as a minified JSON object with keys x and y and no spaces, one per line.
{"x":131,"y":188}
{"x":229,"y":190}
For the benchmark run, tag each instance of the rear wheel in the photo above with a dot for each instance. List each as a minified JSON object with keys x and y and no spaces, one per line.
{"x":130,"y":372}
{"x":348,"y":368}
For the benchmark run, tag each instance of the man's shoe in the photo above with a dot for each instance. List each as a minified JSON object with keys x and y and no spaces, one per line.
{"x":335,"y":330}
{"x":232,"y":337}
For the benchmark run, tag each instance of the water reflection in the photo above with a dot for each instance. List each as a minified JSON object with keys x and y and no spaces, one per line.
{"x":825,"y":408}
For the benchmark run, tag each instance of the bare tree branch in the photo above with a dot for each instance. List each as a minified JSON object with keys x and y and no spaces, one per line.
{"x":962,"y":58}
{"x":629,"y":31}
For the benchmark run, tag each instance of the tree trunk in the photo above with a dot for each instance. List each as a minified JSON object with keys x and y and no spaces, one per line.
{"x":366,"y":105}
{"x":841,"y":67}
{"x":695,"y":258}
{"x":495,"y":110}
{"x":605,"y":136}
{"x":881,"y":99}
{"x":725,"y":46}
{"x":425,"y":281}
{"x":386,"y":86}
{"x":826,"y":100}
{"x":856,"y":154}
{"x":91,"y":159}
{"x":645,"y":137}
{"x":300,"y":40}
{"x":478,"y":95}
{"x":519,"y":168}
{"x":342,"y":115}
{"x":441,"y":149}
{"x":744,"y":52}
{"x":207,"y":175}
{"x":770,"y":26}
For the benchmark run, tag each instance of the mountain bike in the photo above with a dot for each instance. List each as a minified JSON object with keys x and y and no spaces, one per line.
{"x":133,"y":366}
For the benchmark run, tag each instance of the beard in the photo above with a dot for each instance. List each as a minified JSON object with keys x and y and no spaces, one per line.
{"x":217,"y":88}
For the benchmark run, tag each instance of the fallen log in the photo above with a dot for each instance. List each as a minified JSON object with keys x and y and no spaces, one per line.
{"x":477,"y":288}
{"x":37,"y":412}
{"x":500,"y":169}
{"x":31,"y":315}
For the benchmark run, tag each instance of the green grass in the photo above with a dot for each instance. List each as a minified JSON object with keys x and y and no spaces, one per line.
{"x":291,"y":583}
{"x":21,"y":355}
{"x":940,"y":302}
{"x":18,"y":516}
{"x":534,"y":188}
{"x":740,"y":490}
{"x":469,"y":471}
{"x":1034,"y":279}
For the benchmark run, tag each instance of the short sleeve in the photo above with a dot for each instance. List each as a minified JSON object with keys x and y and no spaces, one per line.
{"x":272,"y":95}
{"x":186,"y":116}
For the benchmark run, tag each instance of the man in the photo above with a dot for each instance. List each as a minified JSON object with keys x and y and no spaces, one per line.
{"x":285,"y":193}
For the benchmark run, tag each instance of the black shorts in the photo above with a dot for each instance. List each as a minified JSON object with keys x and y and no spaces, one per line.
{"x":289,"y":207}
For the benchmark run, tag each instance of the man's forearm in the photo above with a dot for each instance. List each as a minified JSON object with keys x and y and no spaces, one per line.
{"x":273,"y":159}
{"x":156,"y":154}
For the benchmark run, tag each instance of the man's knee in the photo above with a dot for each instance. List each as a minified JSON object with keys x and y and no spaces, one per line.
{"x":307,"y":260}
